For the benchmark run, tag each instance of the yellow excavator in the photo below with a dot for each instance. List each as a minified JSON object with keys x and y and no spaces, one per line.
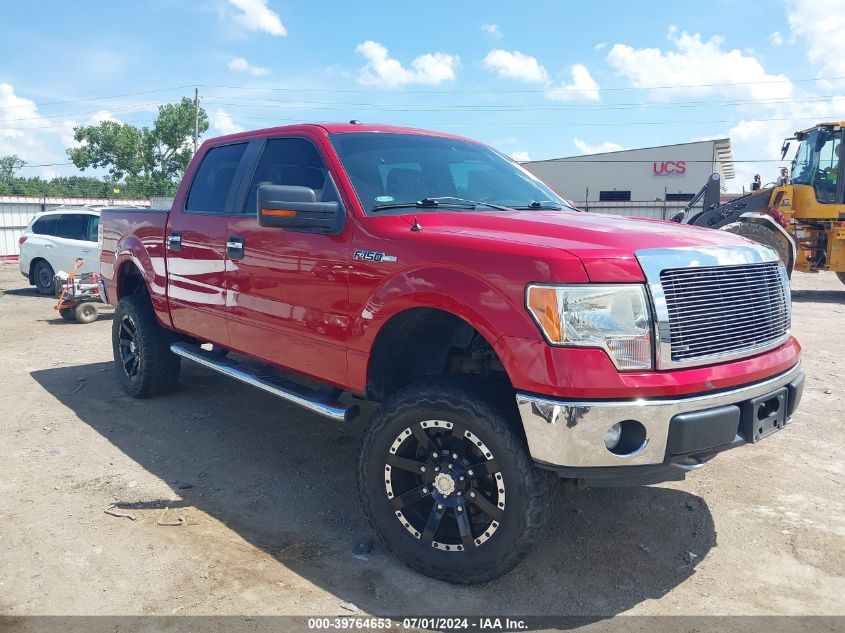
{"x":801,"y":215}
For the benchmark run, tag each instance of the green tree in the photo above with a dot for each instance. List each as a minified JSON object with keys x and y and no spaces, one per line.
{"x":9,"y":165}
{"x":151,"y":160}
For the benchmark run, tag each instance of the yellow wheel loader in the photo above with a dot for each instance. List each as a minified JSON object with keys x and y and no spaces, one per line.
{"x":801,"y":216}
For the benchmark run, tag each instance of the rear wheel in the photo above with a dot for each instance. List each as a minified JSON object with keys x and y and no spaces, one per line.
{"x":145,"y":365}
{"x":449,"y":487}
{"x":761,"y":234}
{"x":42,"y":276}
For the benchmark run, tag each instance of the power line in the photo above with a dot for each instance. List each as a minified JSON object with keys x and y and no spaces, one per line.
{"x":534,"y":91}
{"x":82,"y":100}
{"x":474,"y":91}
{"x":133,"y":108}
{"x":561,"y":124}
{"x":27,"y":166}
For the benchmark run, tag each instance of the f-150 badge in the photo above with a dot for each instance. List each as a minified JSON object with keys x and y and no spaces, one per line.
{"x":372,"y":256}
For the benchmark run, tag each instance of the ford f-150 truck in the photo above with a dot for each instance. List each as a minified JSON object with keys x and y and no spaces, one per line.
{"x":510,"y":340}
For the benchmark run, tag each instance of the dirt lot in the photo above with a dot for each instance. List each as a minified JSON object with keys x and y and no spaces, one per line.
{"x":271,"y":516}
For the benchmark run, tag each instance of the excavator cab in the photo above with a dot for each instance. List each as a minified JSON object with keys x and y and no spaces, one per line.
{"x":814,"y":204}
{"x":801,"y":216}
{"x":817,"y":172}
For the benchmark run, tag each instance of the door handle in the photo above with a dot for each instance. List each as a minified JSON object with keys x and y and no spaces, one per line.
{"x":235,"y":247}
{"x":174,"y":241}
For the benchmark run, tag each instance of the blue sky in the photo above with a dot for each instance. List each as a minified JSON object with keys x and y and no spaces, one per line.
{"x":534,"y":79}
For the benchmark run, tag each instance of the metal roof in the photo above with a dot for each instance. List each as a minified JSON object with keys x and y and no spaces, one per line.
{"x":721,"y":149}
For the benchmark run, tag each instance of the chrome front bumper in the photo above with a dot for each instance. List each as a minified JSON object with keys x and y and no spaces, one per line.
{"x":571,"y":433}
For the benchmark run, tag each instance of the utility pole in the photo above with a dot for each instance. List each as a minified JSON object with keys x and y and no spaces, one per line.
{"x":196,"y":117}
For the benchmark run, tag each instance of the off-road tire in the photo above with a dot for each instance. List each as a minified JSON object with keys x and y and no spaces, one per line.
{"x":86,"y":313}
{"x":67,"y":314}
{"x":157,"y":367}
{"x":841,"y":277}
{"x":42,"y":277}
{"x":530,"y":490}
{"x":762,"y":235}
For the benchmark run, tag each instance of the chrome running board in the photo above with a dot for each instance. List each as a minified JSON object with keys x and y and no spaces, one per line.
{"x":269,"y":381}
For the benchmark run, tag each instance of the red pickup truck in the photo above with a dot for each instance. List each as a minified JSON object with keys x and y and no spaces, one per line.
{"x":511,"y":341}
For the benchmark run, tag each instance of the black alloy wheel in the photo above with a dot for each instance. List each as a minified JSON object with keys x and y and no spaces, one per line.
{"x":445,"y":485}
{"x":447,"y":481}
{"x":130,"y":348}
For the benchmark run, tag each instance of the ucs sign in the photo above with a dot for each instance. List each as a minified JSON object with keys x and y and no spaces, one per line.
{"x":670,"y":168}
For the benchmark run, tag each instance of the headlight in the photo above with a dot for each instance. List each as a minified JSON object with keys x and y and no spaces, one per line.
{"x":613,"y":317}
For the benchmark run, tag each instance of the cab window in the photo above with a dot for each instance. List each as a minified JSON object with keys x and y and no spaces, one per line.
{"x":817,"y":163}
{"x":214,"y":179}
{"x":293,"y":162}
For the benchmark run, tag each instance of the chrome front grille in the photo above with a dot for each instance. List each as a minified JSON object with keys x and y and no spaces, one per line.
{"x":717,"y":311}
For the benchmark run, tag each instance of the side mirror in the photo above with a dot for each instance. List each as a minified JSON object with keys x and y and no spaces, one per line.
{"x":784,"y":149}
{"x":296,"y":209}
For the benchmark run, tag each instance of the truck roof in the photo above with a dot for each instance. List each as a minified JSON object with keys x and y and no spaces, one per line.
{"x":334,"y":128}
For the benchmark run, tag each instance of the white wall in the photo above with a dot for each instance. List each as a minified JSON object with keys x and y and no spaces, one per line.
{"x":17,"y":211}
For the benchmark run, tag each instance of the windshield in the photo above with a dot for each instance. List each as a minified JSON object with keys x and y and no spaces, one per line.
{"x":817,"y":163}
{"x":390,"y":171}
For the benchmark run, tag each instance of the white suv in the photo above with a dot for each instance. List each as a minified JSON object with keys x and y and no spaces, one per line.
{"x":52,"y":242}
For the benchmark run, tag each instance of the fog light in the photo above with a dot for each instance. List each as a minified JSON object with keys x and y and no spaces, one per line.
{"x":612,"y":437}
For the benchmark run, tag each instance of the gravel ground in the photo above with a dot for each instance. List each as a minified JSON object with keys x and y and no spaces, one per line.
{"x":242,"y":504}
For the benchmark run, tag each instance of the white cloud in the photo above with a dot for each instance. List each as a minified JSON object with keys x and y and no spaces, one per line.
{"x":19,"y":123}
{"x":820,"y":25}
{"x":492,"y":30}
{"x":600,"y":46}
{"x":776,"y":39}
{"x":241,"y":65}
{"x":520,"y":156}
{"x":607,"y":146}
{"x":515,"y":65}
{"x":384,"y":71}
{"x":255,"y":15}
{"x":103,"y":115}
{"x":582,"y":88}
{"x":222,"y":122}
{"x":521,"y":67}
{"x":696,"y":62}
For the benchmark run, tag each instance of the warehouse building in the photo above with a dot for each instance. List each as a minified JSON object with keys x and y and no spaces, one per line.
{"x":650,"y":182}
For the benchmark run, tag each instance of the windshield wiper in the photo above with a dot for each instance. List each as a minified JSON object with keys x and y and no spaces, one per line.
{"x":450,"y":202}
{"x":474,"y":203}
{"x":540,"y":205}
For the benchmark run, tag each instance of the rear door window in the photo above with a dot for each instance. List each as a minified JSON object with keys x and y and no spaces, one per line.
{"x":72,"y":226}
{"x":215,"y":179}
{"x":45,"y":225}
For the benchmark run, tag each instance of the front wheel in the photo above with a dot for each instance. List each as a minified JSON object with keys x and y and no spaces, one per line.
{"x":145,"y":365}
{"x":449,"y":487}
{"x":761,"y":234}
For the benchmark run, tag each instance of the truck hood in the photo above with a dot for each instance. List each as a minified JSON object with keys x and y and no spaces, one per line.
{"x":604,"y":243}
